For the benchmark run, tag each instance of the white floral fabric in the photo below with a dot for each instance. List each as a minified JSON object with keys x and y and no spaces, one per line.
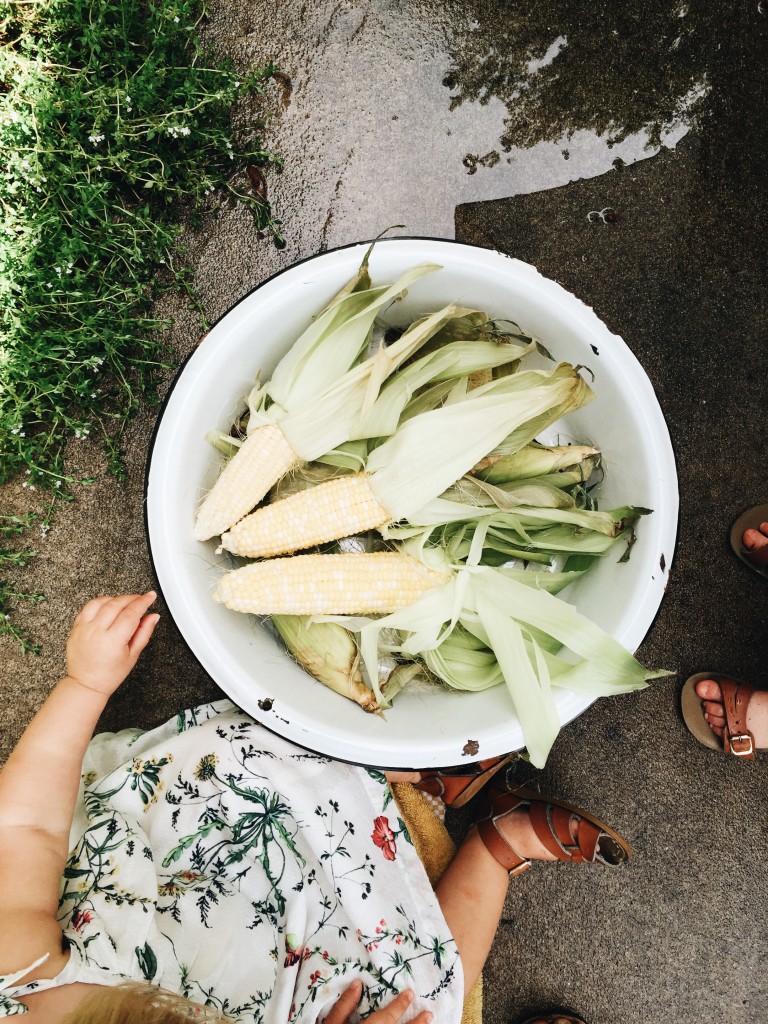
{"x":218,"y":860}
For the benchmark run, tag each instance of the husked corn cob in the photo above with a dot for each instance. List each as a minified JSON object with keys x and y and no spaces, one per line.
{"x":260,"y":462}
{"x":336,"y":508}
{"x":348,"y":584}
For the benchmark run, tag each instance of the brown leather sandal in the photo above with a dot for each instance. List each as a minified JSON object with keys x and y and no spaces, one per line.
{"x":552,"y":820}
{"x":457,"y":786}
{"x":737,"y":740}
{"x":757,"y":558}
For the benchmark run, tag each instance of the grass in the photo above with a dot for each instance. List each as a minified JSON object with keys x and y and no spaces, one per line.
{"x":115,"y":123}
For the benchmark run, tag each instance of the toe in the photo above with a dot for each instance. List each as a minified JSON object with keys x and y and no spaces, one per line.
{"x":708,"y":689}
{"x":713,"y":711}
{"x":754,"y":539}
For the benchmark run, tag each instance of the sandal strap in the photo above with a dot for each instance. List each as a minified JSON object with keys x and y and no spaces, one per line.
{"x":499,"y":848}
{"x":737,"y":739}
{"x":457,"y":786}
{"x":552,"y":826}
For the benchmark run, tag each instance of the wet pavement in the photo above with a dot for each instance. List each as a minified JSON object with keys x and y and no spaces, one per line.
{"x":513,"y":129}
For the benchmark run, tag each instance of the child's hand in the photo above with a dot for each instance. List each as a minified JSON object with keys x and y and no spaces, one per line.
{"x":107,"y":638}
{"x":392,"y":1013}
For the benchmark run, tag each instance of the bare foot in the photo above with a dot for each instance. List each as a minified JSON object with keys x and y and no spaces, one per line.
{"x":757,"y":711}
{"x":753,"y":540}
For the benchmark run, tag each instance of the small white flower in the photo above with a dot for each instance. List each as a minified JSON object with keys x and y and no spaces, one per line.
{"x":176,"y":18}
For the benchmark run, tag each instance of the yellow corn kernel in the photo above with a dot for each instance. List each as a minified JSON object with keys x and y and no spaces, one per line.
{"x":258,"y":464}
{"x":348,"y":584}
{"x":337,"y":508}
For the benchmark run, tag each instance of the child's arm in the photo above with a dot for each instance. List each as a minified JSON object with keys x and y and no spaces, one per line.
{"x":40,"y":781}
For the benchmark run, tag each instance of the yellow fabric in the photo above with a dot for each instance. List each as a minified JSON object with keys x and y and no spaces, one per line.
{"x":435,"y":848}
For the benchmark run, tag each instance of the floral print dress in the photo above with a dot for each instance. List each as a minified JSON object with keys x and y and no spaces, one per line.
{"x":218,"y":860}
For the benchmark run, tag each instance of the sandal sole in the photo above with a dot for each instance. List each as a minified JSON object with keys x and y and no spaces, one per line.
{"x":749,"y":520}
{"x":531,"y":795}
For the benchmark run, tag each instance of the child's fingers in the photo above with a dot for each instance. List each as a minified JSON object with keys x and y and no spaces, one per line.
{"x":89,"y":611}
{"x":144,"y":631}
{"x":345,"y":1004}
{"x":111,"y":609}
{"x":129,"y":610}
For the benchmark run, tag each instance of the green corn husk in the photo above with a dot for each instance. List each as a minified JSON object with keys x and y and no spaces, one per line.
{"x":301,"y":477}
{"x":415,"y":464}
{"x":334,"y":414}
{"x":224,"y":443}
{"x":331,"y":345}
{"x":451,"y":361}
{"x":328,"y":652}
{"x":535,"y":460}
{"x":518,"y":630}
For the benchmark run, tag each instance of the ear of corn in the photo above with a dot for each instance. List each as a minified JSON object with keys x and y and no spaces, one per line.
{"x":429,"y":452}
{"x":337,"y":508}
{"x":536,"y":460}
{"x":261,"y":460}
{"x":368,"y":584}
{"x":328,"y":652}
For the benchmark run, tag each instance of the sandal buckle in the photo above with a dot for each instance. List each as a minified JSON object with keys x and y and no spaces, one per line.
{"x":744,"y":738}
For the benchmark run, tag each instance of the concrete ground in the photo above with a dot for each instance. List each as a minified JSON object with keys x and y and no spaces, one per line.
{"x":506,"y":128}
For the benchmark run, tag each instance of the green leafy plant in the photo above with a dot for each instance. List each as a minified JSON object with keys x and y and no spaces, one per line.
{"x":115,"y":122}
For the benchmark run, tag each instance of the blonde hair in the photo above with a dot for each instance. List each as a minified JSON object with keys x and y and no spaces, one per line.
{"x":141,"y":1003}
